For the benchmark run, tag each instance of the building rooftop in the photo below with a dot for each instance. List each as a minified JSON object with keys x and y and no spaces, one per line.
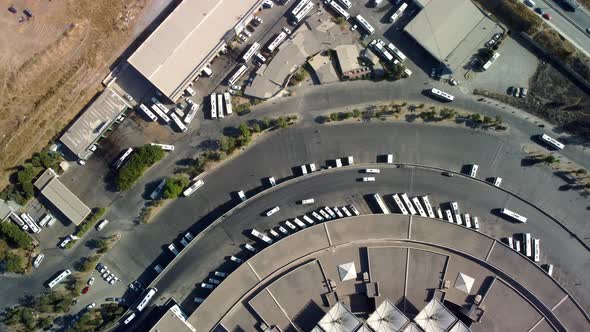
{"x":61,"y":197}
{"x":404,"y":266}
{"x":92,"y":122}
{"x":176,"y":51}
{"x":347,"y":57}
{"x":450,"y":30}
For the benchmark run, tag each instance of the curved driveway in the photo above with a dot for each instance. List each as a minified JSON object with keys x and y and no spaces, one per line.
{"x":445,"y":147}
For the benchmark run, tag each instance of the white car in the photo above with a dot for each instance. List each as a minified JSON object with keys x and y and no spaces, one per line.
{"x":90,"y":281}
{"x":220,"y":274}
{"x":115,"y":279}
{"x":272,"y":211}
{"x":267,"y":4}
{"x":109,"y":277}
{"x":373,"y":170}
{"x":90,"y":306}
{"x":236,"y":87}
{"x":189,"y":236}
{"x":38,"y":260}
{"x":103,"y":269}
{"x":106,"y":274}
{"x":307,"y":201}
{"x":258,"y":20}
{"x":369,"y":179}
{"x":65,"y":241}
{"x":207,"y":286}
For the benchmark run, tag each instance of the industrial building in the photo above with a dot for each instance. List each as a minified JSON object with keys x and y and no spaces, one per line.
{"x":96,"y":119}
{"x":68,"y":204}
{"x":188,"y":39}
{"x":451,"y":30}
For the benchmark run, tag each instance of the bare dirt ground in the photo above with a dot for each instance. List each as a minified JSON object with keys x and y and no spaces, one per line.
{"x":555,"y":98}
{"x":51,"y":65}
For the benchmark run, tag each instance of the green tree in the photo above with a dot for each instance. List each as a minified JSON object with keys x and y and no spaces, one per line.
{"x":356,"y":113}
{"x":487,"y":119}
{"x":333,"y":116}
{"x":447,"y":113}
{"x":14,"y":263}
{"x":281,"y":122}
{"x":550,"y":159}
{"x":143,"y":158}
{"x":227,"y":144}
{"x":256,"y":128}
{"x":266,"y":123}
{"x":475,"y":117}
{"x":14,"y":235}
{"x":174,"y":186}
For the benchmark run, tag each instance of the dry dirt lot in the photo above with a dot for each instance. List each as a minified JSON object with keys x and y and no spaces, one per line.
{"x":555,"y":98}
{"x":51,"y":65}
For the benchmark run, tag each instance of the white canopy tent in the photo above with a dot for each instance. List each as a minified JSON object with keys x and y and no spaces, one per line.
{"x":347,"y":271}
{"x":435,"y":317}
{"x":412,"y":327}
{"x":339,"y":319}
{"x":459,"y":327}
{"x":464,"y":283}
{"x":387,"y":318}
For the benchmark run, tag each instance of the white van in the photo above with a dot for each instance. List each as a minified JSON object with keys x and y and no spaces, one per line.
{"x":369,"y":179}
{"x":101,"y":225}
{"x":497,"y":181}
{"x":272,"y":211}
{"x":307,"y":201}
{"x":373,"y":170}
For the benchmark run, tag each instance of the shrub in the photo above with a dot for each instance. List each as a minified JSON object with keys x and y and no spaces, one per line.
{"x":92,"y":218}
{"x":14,"y":235}
{"x":174,"y":186}
{"x":256,"y":128}
{"x":14,"y":263}
{"x":88,"y":263}
{"x":143,"y":158}
{"x":356,"y":113}
{"x":447,"y":113}
{"x":282,"y":122}
{"x":333,"y":116}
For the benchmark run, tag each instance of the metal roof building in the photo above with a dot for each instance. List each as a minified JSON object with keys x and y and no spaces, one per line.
{"x":450,"y":30}
{"x":93,"y":122}
{"x":61,"y":197}
{"x":188,"y":39}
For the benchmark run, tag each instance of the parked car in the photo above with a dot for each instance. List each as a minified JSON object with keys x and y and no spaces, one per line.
{"x":12,"y":10}
{"x":448,"y":174}
{"x":267,"y":4}
{"x":90,"y":281}
{"x":91,"y":305}
{"x":38,"y":260}
{"x":85,"y":289}
{"x":523,"y":92}
{"x":546,"y":16}
{"x":353,"y":27}
{"x":539,"y":11}
{"x":510,"y":90}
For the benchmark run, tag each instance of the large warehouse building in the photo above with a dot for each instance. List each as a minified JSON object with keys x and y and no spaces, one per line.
{"x":451,"y":30}
{"x":188,"y":39}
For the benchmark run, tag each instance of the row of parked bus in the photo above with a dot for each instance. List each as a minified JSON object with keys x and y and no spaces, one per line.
{"x":218,"y":102}
{"x":158,"y":112}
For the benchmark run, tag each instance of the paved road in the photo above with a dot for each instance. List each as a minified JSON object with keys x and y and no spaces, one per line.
{"x":338,"y":187}
{"x":439,"y":146}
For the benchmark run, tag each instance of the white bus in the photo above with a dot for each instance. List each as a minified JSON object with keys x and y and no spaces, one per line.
{"x":45,"y":220}
{"x":129,"y":319}
{"x":449,"y":215}
{"x":308,"y":220}
{"x":31,"y":223}
{"x":220,"y":105}
{"x":476,"y":223}
{"x":146,"y":111}
{"x":150,"y":293}
{"x":277,"y":41}
{"x":400,"y":204}
{"x":59,"y":278}
{"x":398,"y":54}
{"x":346,"y":3}
{"x":490,"y":62}
{"x":213,"y":99}
{"x":364,"y":24}
{"x":122,"y":159}
{"x":158,"y":190}
{"x":441,"y":94}
{"x":299,"y":7}
{"x":191,"y":113}
{"x":473,"y":170}
{"x":390,"y":158}
{"x":528,"y":249}
{"x":552,"y":141}
{"x":510,"y":242}
{"x":261,"y":236}
{"x":455,"y":208}
{"x":398,"y":13}
{"x":421,"y":211}
{"x":537,"y":250}
{"x":251,"y":51}
{"x":198,"y":184}
{"x":301,"y":15}
{"x":378,"y":48}
{"x":228,"y":107}
{"x":439,"y":214}
{"x":241,"y":69}
{"x":178,"y":122}
{"x":381,"y":204}
{"x":165,"y":147}
{"x":336,"y":7}
{"x":161,"y":114}
{"x":160,"y":105}
{"x":467,"y":219}
{"x":409,"y":204}
{"x":428,"y":206}
{"x":513,"y":215}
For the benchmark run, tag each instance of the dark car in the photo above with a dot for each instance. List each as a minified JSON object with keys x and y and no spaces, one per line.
{"x":510,"y":91}
{"x":447,"y":174}
{"x":12,"y":9}
{"x":28,"y":13}
{"x":539,"y":11}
